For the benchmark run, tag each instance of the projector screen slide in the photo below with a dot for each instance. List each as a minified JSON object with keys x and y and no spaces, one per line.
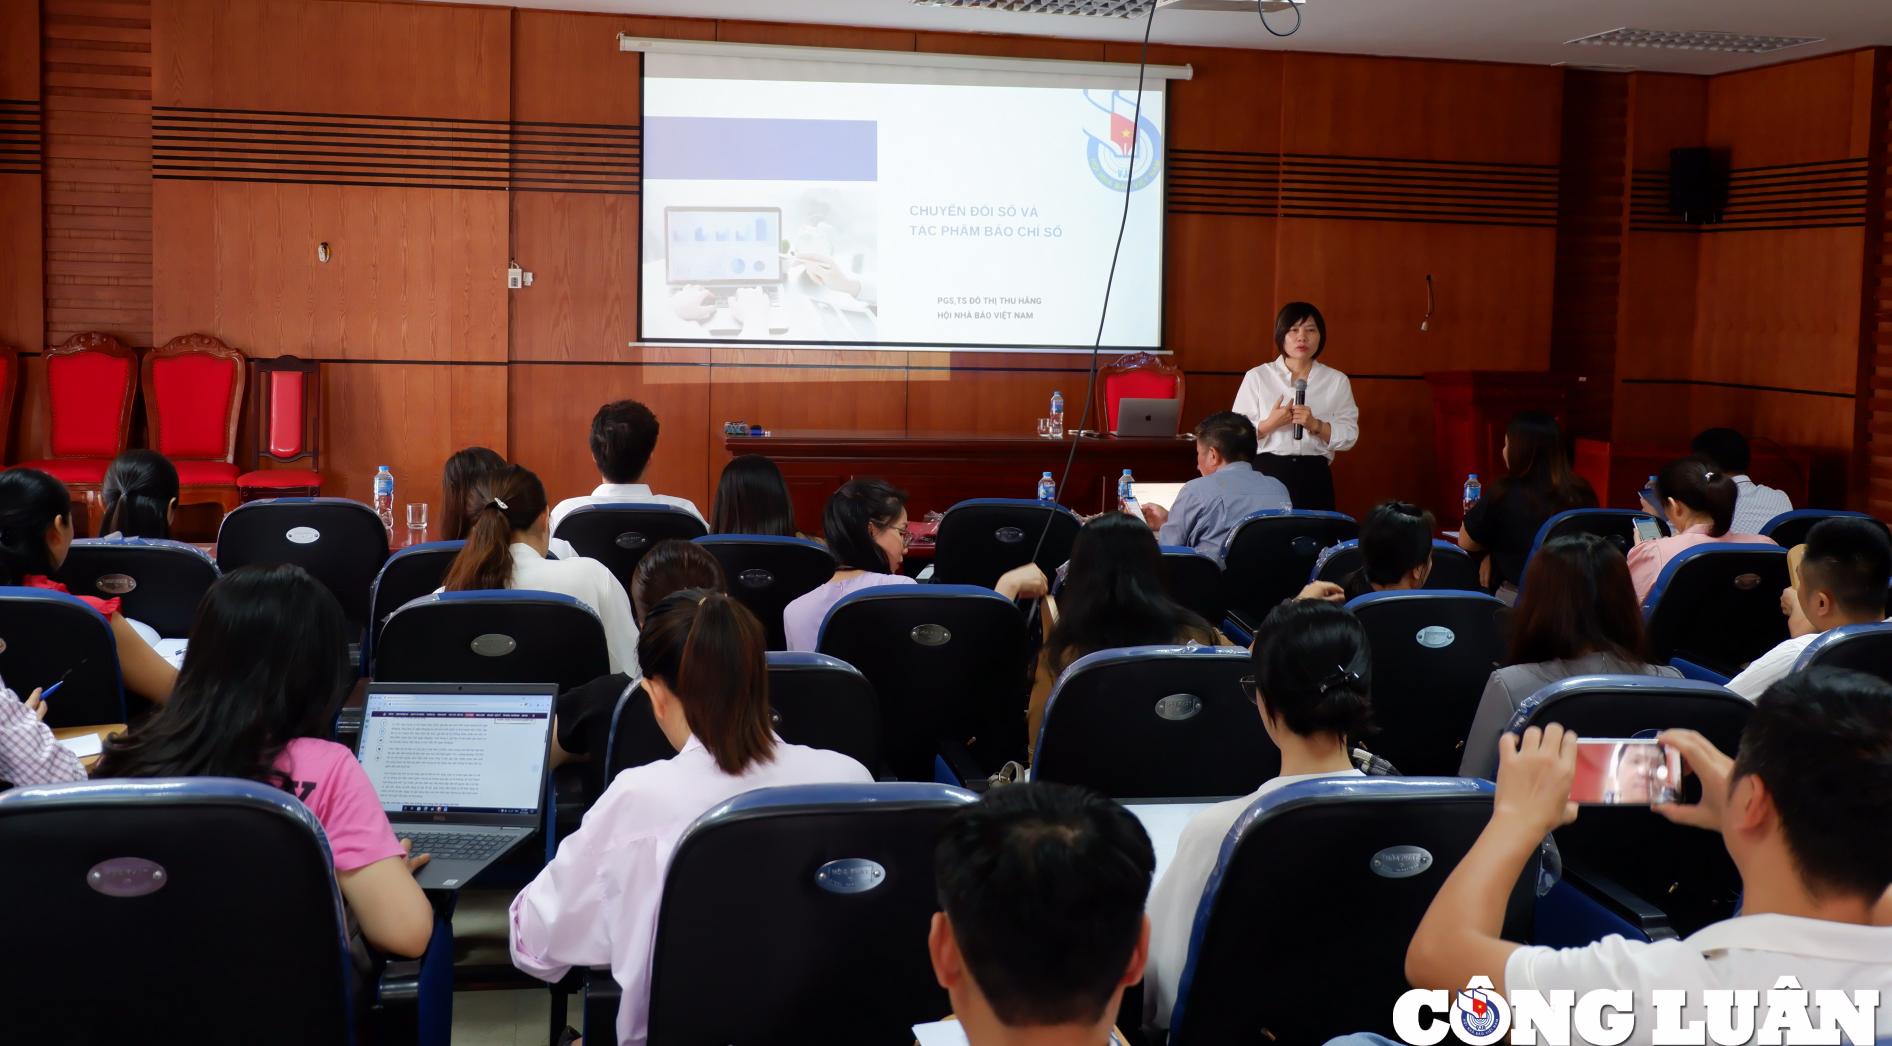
{"x":793,"y":202}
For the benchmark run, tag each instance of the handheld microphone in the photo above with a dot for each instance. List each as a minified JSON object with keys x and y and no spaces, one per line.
{"x":1300,"y":400}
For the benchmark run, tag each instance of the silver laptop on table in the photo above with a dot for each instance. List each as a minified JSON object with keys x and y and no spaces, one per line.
{"x":1147,"y":417}
{"x":460,"y":769}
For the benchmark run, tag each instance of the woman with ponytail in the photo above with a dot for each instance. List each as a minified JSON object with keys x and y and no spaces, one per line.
{"x":1313,"y":675}
{"x":706,"y":671}
{"x":140,"y":495}
{"x":35,"y":532}
{"x":506,"y":545}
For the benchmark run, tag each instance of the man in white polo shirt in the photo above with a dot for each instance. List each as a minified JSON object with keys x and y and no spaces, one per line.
{"x":623,"y":437}
{"x":1803,"y":810}
{"x":1842,"y":580}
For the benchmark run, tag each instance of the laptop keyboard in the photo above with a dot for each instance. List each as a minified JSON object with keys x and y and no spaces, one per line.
{"x":456,"y":846}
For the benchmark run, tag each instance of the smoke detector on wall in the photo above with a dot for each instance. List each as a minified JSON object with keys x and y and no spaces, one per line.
{"x":1687,"y":40}
{"x":1110,"y":8}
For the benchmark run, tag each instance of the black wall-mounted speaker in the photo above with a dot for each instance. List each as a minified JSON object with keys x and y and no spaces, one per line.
{"x":1698,"y":185}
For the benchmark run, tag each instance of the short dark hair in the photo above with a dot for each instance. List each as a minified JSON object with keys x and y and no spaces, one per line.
{"x":846,"y":520}
{"x":1578,"y":599}
{"x":1695,"y":482}
{"x":30,"y":502}
{"x":1044,"y":885}
{"x":623,"y":435}
{"x":673,"y":565}
{"x":1852,"y":559}
{"x":752,"y":498}
{"x":1314,"y":670}
{"x":139,"y":489}
{"x":1291,"y":316}
{"x":711,"y":652}
{"x":1395,"y":538}
{"x":1821,"y":741}
{"x":1726,"y":449}
{"x":1229,"y":434}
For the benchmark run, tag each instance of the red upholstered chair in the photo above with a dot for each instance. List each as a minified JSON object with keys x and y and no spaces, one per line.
{"x":1140,"y":375}
{"x":288,"y":429}
{"x":193,"y":389}
{"x":90,"y":381}
{"x":9,"y":391}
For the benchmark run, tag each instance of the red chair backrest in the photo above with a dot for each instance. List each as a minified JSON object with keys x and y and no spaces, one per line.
{"x":90,"y":379}
{"x":193,"y":391}
{"x":288,"y":408}
{"x":285,"y":407}
{"x":1138,"y":376}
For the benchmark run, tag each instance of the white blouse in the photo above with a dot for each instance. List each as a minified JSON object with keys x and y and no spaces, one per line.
{"x":597,"y":902}
{"x":591,"y":583}
{"x":1329,"y":395}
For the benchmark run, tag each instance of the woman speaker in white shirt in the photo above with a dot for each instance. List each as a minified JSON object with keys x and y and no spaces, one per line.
{"x":1326,"y":423}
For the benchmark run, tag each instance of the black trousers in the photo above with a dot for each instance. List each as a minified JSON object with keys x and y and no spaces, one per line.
{"x":1308,"y":477}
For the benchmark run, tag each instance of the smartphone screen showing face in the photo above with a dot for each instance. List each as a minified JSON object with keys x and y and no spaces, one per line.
{"x":1647,"y":529}
{"x":1620,"y":772}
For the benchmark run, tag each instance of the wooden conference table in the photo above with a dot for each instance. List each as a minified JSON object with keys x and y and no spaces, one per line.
{"x":939,"y":470}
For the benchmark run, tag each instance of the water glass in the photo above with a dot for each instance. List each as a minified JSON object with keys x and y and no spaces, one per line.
{"x":416,"y":521}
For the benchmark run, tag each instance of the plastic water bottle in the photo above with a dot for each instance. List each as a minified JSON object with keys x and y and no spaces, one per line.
{"x":384,"y":497}
{"x":1473,"y":491}
{"x":1047,"y":488}
{"x":1124,"y":492}
{"x":1057,"y":413}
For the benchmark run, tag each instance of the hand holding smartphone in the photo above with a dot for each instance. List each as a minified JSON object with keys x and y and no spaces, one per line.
{"x":1647,"y":529}
{"x":1626,"y":772}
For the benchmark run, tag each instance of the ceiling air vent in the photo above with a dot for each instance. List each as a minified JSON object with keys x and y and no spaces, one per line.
{"x":1107,"y":8}
{"x":1684,"y":40}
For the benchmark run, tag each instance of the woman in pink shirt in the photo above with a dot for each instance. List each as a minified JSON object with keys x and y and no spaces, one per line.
{"x":706,"y":671}
{"x":265,"y":671}
{"x":1699,"y":503}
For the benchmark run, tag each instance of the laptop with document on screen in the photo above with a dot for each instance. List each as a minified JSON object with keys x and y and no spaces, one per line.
{"x":460,"y":769}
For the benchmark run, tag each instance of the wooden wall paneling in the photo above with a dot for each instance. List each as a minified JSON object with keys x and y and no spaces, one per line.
{"x":1792,"y":113}
{"x":409,"y":417}
{"x":566,"y":66}
{"x":581,"y":250}
{"x":1872,"y":487}
{"x":966,"y":392}
{"x":1394,"y":458}
{"x":551,"y":404}
{"x":1414,"y":109}
{"x":1780,"y":308}
{"x":1592,"y":219}
{"x":413,"y":273}
{"x":1005,"y":46}
{"x":789,"y":34}
{"x":1655,"y":307}
{"x":22,"y":293}
{"x":338,"y":57}
{"x":95,"y":62}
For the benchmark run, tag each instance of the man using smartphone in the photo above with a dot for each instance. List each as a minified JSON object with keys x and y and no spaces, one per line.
{"x":1802,"y":809}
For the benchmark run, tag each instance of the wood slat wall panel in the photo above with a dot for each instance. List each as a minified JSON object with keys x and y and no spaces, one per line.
{"x":22,"y":299}
{"x":1873,"y":434}
{"x":96,"y":198}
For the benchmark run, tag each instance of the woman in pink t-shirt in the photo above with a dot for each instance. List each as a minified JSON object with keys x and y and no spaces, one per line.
{"x":265,"y":671}
{"x":1699,"y":503}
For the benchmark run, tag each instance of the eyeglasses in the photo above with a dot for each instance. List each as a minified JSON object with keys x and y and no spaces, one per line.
{"x":906,"y":539}
{"x":1247,"y":683}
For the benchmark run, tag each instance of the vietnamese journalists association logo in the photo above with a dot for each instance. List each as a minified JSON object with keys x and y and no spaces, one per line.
{"x":1480,"y":1013}
{"x":1130,"y":154}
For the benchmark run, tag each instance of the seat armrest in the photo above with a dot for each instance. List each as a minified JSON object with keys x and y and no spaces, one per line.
{"x":1619,"y":902}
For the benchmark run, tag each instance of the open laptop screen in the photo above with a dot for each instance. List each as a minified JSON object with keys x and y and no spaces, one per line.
{"x":456,"y":753}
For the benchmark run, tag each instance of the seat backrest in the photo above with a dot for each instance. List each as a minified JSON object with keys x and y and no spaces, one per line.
{"x":45,"y":635}
{"x":1615,"y":525}
{"x":1718,"y":606}
{"x":506,"y":635}
{"x":1862,"y":648}
{"x":1433,"y":652}
{"x":408,"y":574}
{"x":288,"y":409}
{"x":158,"y":582}
{"x":210,"y":903}
{"x":635,"y":737}
{"x":1790,"y":528}
{"x":948,"y":662}
{"x":90,"y":381}
{"x":824,"y":702}
{"x":1155,"y":722}
{"x":341,"y":543}
{"x":1302,"y":930}
{"x":193,"y":388}
{"x":979,"y":540}
{"x":619,"y":535}
{"x":1271,"y":554}
{"x":1195,"y":581}
{"x":1453,"y":569}
{"x":767,"y":573}
{"x":1682,"y":871}
{"x":842,"y":876}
